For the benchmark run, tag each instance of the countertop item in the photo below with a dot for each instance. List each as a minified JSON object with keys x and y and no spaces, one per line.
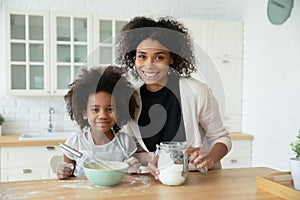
{"x":13,"y":140}
{"x":226,"y":184}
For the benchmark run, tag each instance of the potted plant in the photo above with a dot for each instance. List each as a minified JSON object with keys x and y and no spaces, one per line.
{"x":295,"y":162}
{"x":1,"y":122}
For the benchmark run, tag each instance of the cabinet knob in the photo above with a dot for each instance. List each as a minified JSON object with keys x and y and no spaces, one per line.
{"x":26,"y":171}
{"x":226,"y":118}
{"x":49,"y":148}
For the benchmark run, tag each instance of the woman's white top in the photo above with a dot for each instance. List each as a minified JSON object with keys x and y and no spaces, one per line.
{"x":201,"y":116}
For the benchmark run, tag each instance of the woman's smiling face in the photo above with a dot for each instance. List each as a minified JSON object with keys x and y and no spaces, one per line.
{"x":152,"y":63}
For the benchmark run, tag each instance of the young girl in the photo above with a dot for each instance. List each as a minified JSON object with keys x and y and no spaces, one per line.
{"x":101,"y":101}
{"x":175,"y":107}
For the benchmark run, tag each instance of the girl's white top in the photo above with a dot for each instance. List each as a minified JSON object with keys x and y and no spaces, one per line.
{"x":121,"y":147}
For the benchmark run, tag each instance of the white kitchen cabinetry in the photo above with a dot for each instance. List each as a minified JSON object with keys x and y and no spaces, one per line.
{"x":48,"y":50}
{"x":106,"y":30}
{"x":239,"y":156}
{"x":71,"y":43}
{"x":39,"y":65}
{"x":219,"y":52}
{"x":27,"y":55}
{"x":27,"y":163}
{"x":230,"y":71}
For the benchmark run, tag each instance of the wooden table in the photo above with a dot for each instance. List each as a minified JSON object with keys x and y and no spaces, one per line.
{"x":226,"y":184}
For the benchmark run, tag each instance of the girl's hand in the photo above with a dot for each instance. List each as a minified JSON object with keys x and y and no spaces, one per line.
{"x":134,"y":165}
{"x":200,"y":159}
{"x":65,"y":170}
{"x":152,"y":165}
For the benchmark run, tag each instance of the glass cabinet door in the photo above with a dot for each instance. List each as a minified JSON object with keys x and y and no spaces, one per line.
{"x":106,"y":38}
{"x":71,"y":43}
{"x":28,"y":49}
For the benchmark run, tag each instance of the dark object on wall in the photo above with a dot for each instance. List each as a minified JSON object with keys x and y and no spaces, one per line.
{"x":279,"y":10}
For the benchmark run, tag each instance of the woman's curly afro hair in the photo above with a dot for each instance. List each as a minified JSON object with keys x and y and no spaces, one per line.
{"x":170,"y":33}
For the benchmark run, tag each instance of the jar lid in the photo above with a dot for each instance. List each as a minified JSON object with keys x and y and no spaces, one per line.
{"x":173,"y":145}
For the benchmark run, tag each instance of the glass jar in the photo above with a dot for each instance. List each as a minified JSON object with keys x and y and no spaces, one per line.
{"x":172,"y":162}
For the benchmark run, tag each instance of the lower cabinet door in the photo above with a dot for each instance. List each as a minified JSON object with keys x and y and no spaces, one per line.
{"x":17,"y":174}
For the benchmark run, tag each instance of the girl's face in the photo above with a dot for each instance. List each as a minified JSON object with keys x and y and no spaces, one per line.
{"x":152,"y":63}
{"x":100,"y":112}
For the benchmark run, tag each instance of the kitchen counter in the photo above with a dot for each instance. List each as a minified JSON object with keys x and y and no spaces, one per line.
{"x":226,"y":184}
{"x":13,"y":140}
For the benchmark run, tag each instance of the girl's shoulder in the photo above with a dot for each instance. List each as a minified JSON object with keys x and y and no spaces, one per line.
{"x":75,"y":139}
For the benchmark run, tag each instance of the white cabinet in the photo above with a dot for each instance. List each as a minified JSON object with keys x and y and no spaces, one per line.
{"x":239,"y":156}
{"x":71,"y":43}
{"x":224,"y":39}
{"x":41,"y":65}
{"x":47,"y":50}
{"x":230,"y":71}
{"x":106,"y":30}
{"x":27,"y":42}
{"x":27,"y":163}
{"x":219,"y":53}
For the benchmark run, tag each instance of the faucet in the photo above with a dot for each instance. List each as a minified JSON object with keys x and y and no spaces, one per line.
{"x":50,"y":122}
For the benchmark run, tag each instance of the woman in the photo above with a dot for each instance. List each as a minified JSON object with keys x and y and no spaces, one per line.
{"x":174,"y":106}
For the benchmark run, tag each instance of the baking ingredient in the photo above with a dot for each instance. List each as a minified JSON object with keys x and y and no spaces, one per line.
{"x":172,"y":175}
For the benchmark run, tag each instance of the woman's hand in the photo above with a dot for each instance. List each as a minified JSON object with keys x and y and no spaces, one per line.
{"x":134,"y":165}
{"x":152,"y":165}
{"x":65,"y":170}
{"x":200,"y":159}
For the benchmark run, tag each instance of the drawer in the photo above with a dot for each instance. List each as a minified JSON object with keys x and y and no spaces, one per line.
{"x":17,"y":174}
{"x":239,"y":156}
{"x":12,"y":157}
{"x":240,"y":148}
{"x":235,"y":162}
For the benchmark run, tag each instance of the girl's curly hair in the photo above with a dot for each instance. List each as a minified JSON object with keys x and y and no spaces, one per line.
{"x":108,"y":79}
{"x":170,"y":33}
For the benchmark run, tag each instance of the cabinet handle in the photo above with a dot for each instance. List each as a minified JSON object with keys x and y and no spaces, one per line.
{"x":226,"y":118}
{"x":234,"y":161}
{"x":49,"y":148}
{"x":226,"y":61}
{"x":26,"y":171}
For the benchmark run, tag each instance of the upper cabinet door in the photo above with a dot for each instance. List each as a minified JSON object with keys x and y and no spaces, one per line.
{"x":106,"y":31}
{"x":216,"y":39}
{"x":27,"y":36}
{"x":225,"y":39}
{"x":71,"y":44}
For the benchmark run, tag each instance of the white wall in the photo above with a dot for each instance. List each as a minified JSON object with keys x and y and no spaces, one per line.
{"x":271,"y":93}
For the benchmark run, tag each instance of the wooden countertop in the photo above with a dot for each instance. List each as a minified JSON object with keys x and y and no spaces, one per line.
{"x":226,"y":184}
{"x":13,"y":140}
{"x":240,"y":136}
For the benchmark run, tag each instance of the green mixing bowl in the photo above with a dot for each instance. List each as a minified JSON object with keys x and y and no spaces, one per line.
{"x":111,"y":174}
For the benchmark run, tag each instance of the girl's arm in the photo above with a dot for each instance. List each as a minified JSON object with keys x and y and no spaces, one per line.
{"x":66,"y":168}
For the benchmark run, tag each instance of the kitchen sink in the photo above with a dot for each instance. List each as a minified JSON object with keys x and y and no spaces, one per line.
{"x":57,"y":135}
